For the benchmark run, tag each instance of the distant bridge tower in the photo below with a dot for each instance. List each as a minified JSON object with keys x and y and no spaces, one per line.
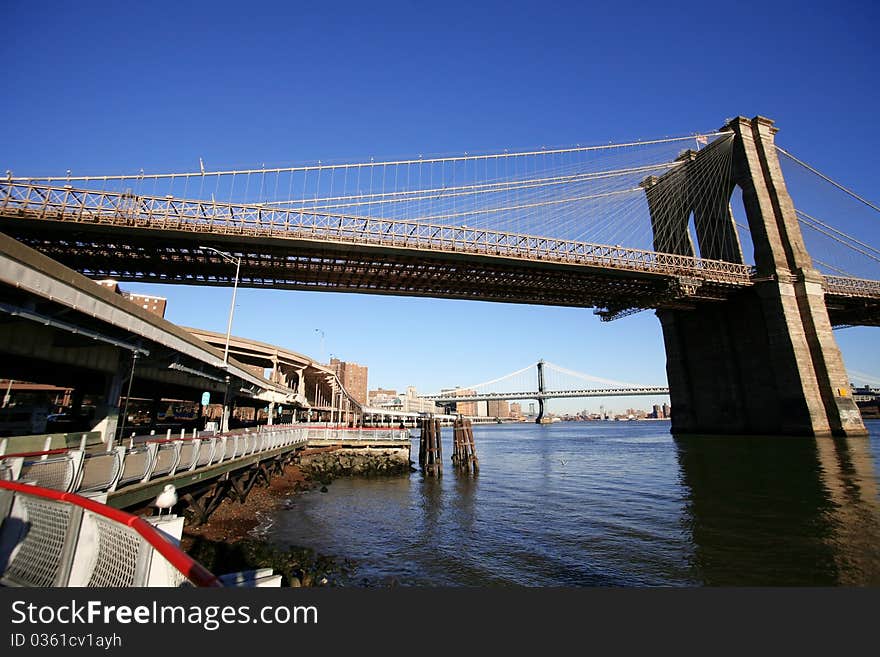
{"x":765,"y":361}
{"x":540,"y":391}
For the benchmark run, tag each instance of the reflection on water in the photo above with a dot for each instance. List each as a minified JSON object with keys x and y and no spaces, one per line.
{"x":781,"y":511}
{"x":610,"y":504}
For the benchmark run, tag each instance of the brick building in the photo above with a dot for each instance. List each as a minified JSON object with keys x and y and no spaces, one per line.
{"x":353,"y":378}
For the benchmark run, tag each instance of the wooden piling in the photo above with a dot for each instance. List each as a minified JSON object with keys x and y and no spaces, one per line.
{"x":464,"y":453}
{"x":430,"y":449}
{"x":423,"y":441}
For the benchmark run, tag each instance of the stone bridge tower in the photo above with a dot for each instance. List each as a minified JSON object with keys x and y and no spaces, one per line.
{"x":765,"y":361}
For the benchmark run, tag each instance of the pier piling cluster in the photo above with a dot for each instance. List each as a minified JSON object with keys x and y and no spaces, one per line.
{"x":464,"y":454}
{"x":430,"y":449}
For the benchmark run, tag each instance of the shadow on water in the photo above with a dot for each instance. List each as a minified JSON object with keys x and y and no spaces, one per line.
{"x":778,"y":511}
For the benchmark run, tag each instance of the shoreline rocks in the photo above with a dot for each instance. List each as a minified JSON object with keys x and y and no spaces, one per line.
{"x":227,"y":542}
{"x":341,"y":462}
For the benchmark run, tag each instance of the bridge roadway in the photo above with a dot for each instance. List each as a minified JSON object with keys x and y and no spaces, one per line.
{"x":156,"y":239}
{"x":60,"y":327}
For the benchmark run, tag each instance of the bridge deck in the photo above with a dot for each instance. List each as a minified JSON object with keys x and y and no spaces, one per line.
{"x":152,"y":239}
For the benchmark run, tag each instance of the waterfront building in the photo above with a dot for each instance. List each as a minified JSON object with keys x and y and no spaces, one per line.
{"x":498,"y":408}
{"x":380,"y":396}
{"x":394,"y":404}
{"x":515,"y":410}
{"x":412,"y":403}
{"x":465,"y":408}
{"x":482,"y":409}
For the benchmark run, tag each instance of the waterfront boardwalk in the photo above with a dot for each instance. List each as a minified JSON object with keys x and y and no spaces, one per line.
{"x":130,"y":475}
{"x":73,"y":501}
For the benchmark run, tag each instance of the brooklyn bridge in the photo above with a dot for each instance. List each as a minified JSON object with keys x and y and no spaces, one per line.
{"x":747,"y":278}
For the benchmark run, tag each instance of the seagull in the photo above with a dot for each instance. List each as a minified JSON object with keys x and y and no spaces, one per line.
{"x":167,"y":498}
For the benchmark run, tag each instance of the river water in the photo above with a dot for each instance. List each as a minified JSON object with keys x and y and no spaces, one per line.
{"x":621,"y":504}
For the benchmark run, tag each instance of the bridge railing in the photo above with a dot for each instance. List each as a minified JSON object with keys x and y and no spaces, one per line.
{"x":90,"y":473}
{"x":856,"y":287}
{"x":50,"y":538}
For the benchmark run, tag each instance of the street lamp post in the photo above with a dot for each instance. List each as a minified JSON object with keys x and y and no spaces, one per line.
{"x":224,"y":421}
{"x":224,"y":416}
{"x":228,"y":257}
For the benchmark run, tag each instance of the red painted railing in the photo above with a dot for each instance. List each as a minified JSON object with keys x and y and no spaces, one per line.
{"x":193,"y":571}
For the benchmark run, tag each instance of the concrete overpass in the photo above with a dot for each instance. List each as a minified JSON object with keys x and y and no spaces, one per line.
{"x":318,"y":388}
{"x":59,"y":327}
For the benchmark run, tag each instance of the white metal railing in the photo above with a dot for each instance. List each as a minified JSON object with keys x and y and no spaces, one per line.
{"x":348,"y":434}
{"x":76,"y":470}
{"x":93,"y":473}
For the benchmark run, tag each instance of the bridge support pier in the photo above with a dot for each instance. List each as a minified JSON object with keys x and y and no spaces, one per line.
{"x":765,"y":361}
{"x":540,"y":411}
{"x":107,"y":412}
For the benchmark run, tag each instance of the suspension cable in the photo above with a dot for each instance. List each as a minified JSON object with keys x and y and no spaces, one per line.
{"x":372,"y":164}
{"x":827,"y":179}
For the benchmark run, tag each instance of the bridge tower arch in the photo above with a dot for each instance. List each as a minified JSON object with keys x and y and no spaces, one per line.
{"x":765,"y":361}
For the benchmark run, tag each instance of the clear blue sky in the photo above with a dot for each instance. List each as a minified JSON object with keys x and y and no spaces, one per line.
{"x":115,"y":87}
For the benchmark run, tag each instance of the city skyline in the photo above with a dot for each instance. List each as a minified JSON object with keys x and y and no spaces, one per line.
{"x":524,"y":78}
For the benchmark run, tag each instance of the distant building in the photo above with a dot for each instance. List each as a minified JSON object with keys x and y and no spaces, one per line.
{"x":498,"y":408}
{"x":515,"y":410}
{"x":155,"y":305}
{"x":667,"y":411}
{"x":393,"y":404}
{"x":353,"y":378}
{"x":658,"y":412}
{"x":868,"y":401}
{"x":465,"y":408}
{"x":412,"y":403}
{"x":380,"y":396}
